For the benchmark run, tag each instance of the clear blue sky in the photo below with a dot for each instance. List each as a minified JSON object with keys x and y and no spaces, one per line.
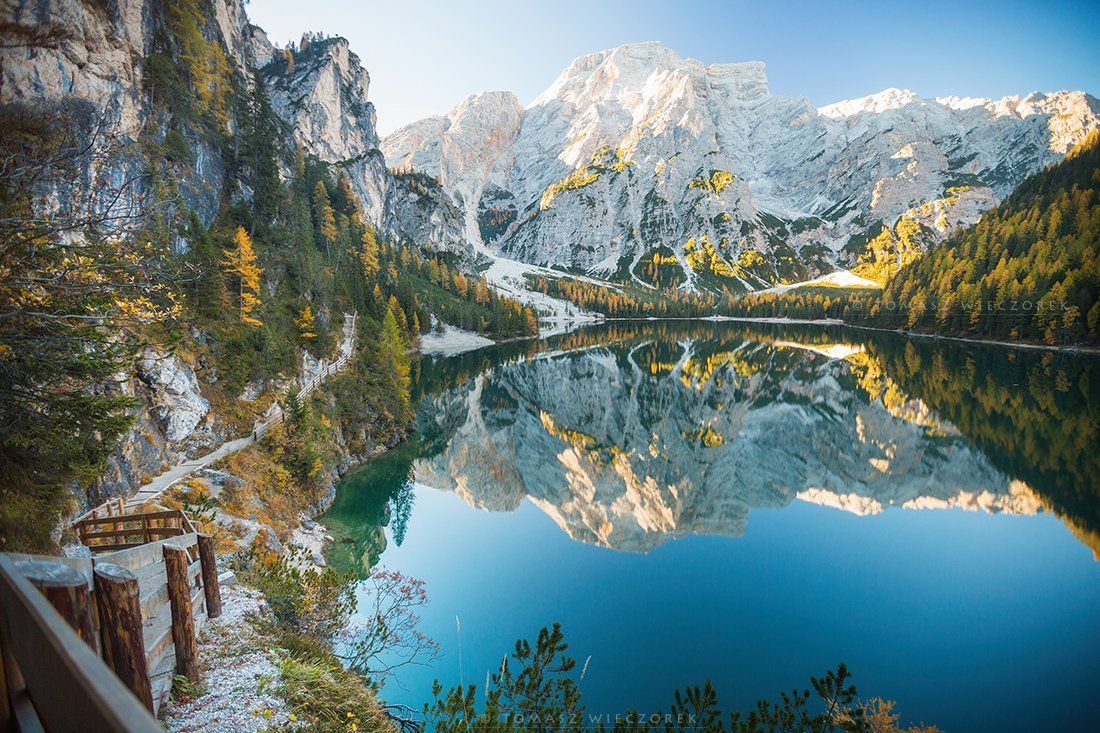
{"x":424,"y":56}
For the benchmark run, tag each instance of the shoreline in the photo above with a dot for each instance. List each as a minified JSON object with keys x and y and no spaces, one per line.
{"x":1072,"y":349}
{"x":1091,"y":350}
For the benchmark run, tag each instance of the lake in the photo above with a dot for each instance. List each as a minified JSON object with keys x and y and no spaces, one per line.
{"x":752,"y":504}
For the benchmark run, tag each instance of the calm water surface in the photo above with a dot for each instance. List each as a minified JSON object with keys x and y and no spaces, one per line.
{"x":754,"y":504}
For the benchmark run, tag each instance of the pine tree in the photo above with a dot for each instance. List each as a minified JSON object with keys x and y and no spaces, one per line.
{"x":346,"y":200}
{"x":293,"y":407}
{"x":209,"y":286}
{"x":258,"y":128}
{"x":79,"y":285}
{"x":241,"y":261}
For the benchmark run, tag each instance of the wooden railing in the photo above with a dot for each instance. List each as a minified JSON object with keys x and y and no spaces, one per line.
{"x":111,"y":507}
{"x":140,"y":607}
{"x":112,"y":532}
{"x":167,"y":645}
{"x":51,"y":679}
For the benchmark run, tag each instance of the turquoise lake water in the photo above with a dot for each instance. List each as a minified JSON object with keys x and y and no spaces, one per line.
{"x":753,"y":505}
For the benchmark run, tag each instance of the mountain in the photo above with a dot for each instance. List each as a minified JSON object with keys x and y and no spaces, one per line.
{"x":320,"y":91}
{"x":631,"y":154}
{"x":231,"y":207}
{"x":637,"y":153}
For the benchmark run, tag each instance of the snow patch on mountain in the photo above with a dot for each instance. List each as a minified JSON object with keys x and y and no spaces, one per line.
{"x":840,"y":279}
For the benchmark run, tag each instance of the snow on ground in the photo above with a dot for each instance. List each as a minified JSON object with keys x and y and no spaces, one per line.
{"x":235,"y":665}
{"x":510,"y":278}
{"x":452,"y":341}
{"x":831,"y":351}
{"x":840,"y":279}
{"x":783,"y":319}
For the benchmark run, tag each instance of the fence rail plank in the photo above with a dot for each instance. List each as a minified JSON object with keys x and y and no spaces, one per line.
{"x":49,"y":658}
{"x":160,"y":531}
{"x":139,"y":557}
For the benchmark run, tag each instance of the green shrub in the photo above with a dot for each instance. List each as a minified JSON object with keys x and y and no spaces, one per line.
{"x":315,"y":603}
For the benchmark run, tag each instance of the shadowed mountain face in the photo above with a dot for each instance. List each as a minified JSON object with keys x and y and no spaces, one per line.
{"x":660,"y":435}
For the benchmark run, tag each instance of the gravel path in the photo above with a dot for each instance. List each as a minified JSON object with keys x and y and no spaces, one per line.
{"x":240,"y":674}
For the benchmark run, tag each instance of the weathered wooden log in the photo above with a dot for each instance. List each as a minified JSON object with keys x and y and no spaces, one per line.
{"x":210,"y":576}
{"x":183,"y":623}
{"x":119,"y":601}
{"x":66,"y":589}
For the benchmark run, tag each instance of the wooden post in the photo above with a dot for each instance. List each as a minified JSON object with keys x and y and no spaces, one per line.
{"x":11,"y":684}
{"x":183,"y":623}
{"x":210,"y":576}
{"x":66,"y":588}
{"x":119,"y":603}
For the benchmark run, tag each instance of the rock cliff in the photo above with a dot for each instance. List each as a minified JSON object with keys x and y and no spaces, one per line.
{"x":635,"y":151}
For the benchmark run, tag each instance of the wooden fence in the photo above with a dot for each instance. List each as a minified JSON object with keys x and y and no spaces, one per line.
{"x":275,"y":413}
{"x":109,"y":508}
{"x":113,"y":532}
{"x":50,"y":678}
{"x":140,"y":608}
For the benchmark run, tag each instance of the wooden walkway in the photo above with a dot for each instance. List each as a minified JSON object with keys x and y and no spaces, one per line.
{"x":111,"y":632}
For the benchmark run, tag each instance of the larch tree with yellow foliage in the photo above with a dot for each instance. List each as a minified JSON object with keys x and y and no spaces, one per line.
{"x":305,"y":322}
{"x":400,"y":317}
{"x":392,"y":349}
{"x":324,"y":217}
{"x":368,"y":253}
{"x":241,"y":261}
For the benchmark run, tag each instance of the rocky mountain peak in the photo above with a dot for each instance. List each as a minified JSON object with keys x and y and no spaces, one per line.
{"x":887,"y":99}
{"x":320,"y":89}
{"x":642,"y":71}
{"x":636,"y":152}
{"x":632,"y":153}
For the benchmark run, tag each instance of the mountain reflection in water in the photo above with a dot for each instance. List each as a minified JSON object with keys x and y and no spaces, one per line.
{"x":631,"y":434}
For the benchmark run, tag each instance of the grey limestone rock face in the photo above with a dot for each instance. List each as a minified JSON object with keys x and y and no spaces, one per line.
{"x":634,"y":149}
{"x":175,"y":398}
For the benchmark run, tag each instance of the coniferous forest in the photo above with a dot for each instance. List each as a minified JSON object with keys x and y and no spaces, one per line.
{"x":1029,"y":270}
{"x":96,"y":270}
